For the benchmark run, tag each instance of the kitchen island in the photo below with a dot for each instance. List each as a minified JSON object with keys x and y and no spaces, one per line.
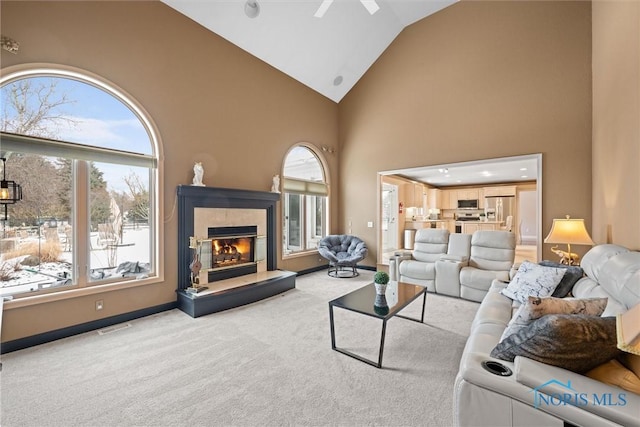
{"x":448,"y":224}
{"x":468,"y":227}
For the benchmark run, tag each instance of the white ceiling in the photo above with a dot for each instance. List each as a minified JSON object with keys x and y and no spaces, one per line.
{"x":344,"y":43}
{"x":494,"y":171}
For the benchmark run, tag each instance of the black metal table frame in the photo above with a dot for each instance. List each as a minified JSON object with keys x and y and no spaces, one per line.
{"x":384,"y":328}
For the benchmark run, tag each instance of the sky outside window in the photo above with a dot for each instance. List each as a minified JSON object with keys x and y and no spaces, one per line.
{"x":93,"y":117}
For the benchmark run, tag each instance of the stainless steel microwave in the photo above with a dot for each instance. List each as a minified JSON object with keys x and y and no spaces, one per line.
{"x":468,"y":204}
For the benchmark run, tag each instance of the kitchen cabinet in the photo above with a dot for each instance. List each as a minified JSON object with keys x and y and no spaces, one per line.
{"x":468,"y":194}
{"x":449,"y":199}
{"x":480,"y":198}
{"x":434,"y":198}
{"x":414,"y":195}
{"x":451,"y":225}
{"x":444,"y":199}
{"x":469,"y":227}
{"x":408,"y":195}
{"x":419,"y":192}
{"x":500,"y":191}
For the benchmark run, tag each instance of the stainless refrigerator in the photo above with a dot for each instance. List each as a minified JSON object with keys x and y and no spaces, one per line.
{"x":499,"y":208}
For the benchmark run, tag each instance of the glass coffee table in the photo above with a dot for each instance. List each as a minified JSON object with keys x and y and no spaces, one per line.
{"x":365,"y":301}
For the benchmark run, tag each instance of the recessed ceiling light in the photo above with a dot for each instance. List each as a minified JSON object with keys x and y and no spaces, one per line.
{"x":337,"y":81}
{"x":486,"y":173}
{"x":524,"y":176}
{"x":523,"y":169}
{"x":251,"y":8}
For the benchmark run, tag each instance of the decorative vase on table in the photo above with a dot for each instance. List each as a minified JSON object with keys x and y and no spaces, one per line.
{"x":380,"y":280}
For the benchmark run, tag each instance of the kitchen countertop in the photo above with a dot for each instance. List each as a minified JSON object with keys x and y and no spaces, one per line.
{"x":485,"y":222}
{"x":428,"y":220}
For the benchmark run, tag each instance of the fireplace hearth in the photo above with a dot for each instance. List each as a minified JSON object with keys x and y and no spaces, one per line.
{"x":233,"y":235}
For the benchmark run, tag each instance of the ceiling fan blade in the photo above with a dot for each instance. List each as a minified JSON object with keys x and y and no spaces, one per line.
{"x":323,"y":8}
{"x":371,"y":6}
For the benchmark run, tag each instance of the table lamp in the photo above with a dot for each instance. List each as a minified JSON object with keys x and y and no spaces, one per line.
{"x":570,"y":232}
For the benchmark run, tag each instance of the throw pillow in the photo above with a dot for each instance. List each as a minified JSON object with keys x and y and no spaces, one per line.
{"x":615,"y":374}
{"x":572,"y":274}
{"x":536,"y":307}
{"x":576,"y":342}
{"x":533,"y":280}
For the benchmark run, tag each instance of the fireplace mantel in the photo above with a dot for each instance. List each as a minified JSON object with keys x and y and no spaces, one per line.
{"x":252,"y":287}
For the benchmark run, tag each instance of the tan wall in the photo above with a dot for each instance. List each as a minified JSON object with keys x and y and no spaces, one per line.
{"x":616,"y":122}
{"x":211,"y":101}
{"x":476,"y":80}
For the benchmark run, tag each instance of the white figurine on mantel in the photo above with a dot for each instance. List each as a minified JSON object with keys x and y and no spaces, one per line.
{"x":275,"y":187}
{"x":198,"y":172}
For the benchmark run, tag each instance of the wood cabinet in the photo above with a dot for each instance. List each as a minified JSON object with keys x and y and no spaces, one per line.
{"x":498,"y":191}
{"x":451,"y":225}
{"x":480,"y":198}
{"x":470,"y":227}
{"x":467,"y":194}
{"x":414,"y":195}
{"x":449,"y":199}
{"x":434,"y":199}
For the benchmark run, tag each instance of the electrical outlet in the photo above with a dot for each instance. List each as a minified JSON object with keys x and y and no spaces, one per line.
{"x":99,"y":305}
{"x":370,"y":224}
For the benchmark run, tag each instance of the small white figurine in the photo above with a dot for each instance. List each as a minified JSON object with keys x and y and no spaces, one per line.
{"x":198,"y":172}
{"x":275,"y":187}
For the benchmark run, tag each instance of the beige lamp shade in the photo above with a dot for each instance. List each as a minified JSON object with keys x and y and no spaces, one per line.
{"x":569,"y":231}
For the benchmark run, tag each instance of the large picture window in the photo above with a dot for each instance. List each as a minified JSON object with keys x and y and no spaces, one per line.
{"x":86,"y":158}
{"x":306,"y":207}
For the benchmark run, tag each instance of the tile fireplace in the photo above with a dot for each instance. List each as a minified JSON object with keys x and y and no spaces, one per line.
{"x":232,"y":233}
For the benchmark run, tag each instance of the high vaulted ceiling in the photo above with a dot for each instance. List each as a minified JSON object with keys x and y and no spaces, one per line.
{"x":329,"y":53}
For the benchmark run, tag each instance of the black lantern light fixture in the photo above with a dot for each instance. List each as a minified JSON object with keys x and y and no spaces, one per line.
{"x":10,"y":191}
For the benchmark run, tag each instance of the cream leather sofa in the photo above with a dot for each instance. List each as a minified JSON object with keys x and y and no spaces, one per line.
{"x":419,"y":268}
{"x":483,"y":398}
{"x":459,"y":265}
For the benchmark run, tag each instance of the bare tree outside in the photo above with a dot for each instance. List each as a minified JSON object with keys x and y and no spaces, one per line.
{"x":34,"y":107}
{"x":139,"y":196}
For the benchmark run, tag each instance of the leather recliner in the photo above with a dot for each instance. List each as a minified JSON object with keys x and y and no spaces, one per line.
{"x":491,"y":257}
{"x":430,"y":244}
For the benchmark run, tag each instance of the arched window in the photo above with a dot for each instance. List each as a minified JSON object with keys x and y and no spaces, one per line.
{"x":306,"y":201}
{"x":86,"y":157}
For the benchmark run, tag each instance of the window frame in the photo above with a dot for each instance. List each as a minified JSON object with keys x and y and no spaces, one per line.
{"x":83,"y":285}
{"x":306,"y":189}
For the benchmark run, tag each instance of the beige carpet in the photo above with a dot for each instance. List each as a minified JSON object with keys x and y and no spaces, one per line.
{"x":265,"y":364}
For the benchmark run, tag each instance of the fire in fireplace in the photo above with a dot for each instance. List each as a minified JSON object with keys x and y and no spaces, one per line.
{"x":234,"y":251}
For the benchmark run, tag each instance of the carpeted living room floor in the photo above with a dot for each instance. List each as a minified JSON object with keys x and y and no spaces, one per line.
{"x":265,"y":364}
